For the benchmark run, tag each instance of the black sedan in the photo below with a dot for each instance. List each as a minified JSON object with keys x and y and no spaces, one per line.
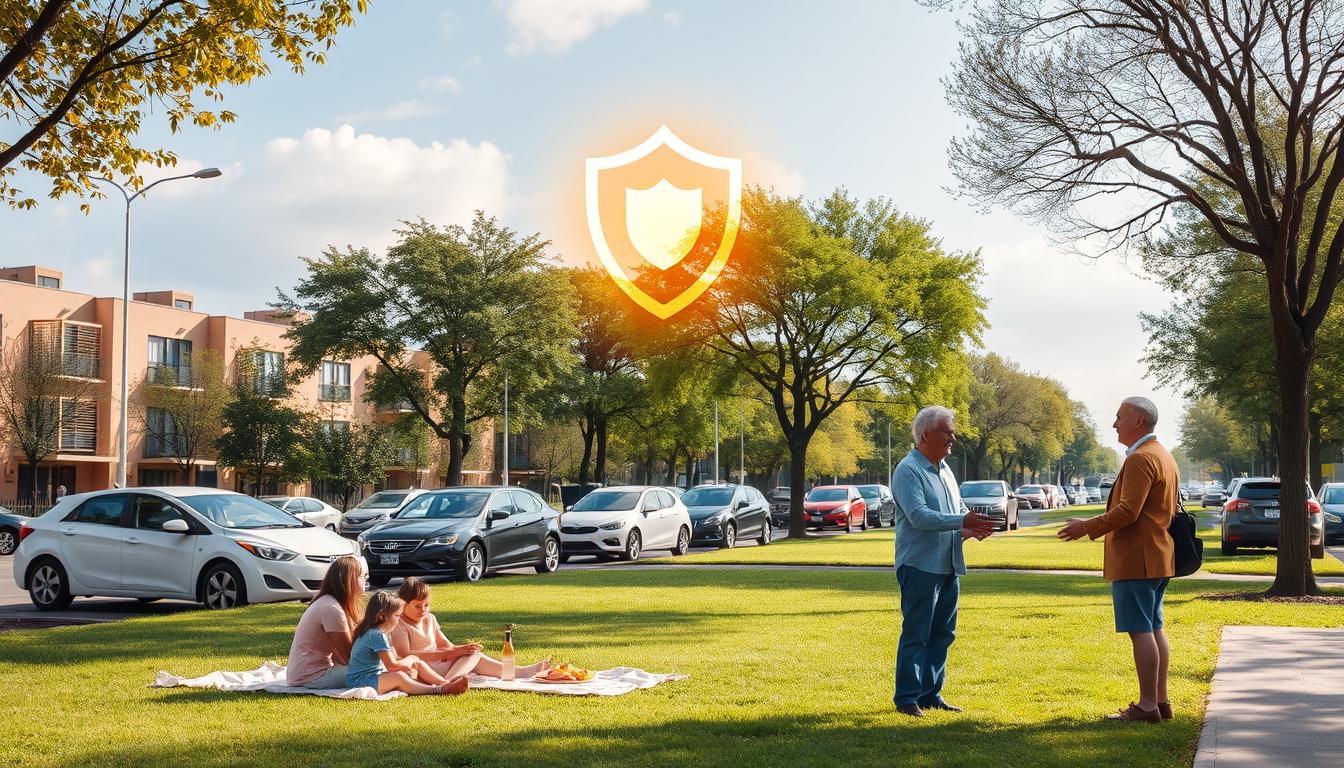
{"x":721,"y":514}
{"x":464,"y":533}
{"x":881,"y":505}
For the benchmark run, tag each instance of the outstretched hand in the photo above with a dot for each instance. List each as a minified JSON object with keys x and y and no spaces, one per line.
{"x":1073,"y":530}
{"x":967,"y":533}
{"x":977,"y":525}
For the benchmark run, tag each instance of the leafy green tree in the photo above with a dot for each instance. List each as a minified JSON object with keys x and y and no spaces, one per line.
{"x":475,"y":303}
{"x":262,"y":438}
{"x":345,"y":458}
{"x":182,"y":408}
{"x":78,"y":77}
{"x":1210,"y":433}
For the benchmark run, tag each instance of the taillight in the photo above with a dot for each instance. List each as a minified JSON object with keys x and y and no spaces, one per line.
{"x":1237,"y":505}
{"x":24,"y":530}
{"x":1313,"y":507}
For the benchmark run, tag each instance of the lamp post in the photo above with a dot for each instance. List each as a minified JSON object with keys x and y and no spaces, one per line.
{"x":204,"y":173}
{"x":505,"y":453}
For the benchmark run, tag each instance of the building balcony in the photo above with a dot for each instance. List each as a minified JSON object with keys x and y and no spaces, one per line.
{"x":399,"y":406}
{"x":76,"y":346}
{"x":164,"y":447}
{"x":333,"y":393}
{"x":270,"y":385}
{"x":166,"y":375}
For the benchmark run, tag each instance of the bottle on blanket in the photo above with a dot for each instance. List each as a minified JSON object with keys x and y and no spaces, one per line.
{"x":506,"y":657}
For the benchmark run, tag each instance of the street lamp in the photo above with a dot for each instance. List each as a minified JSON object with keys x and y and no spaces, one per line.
{"x":204,"y":173}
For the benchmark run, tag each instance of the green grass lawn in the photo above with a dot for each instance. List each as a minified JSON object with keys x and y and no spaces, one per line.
{"x":1032,"y":548}
{"x":787,"y":669}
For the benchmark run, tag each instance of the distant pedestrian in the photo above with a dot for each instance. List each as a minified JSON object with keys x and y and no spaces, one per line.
{"x":931,"y":523}
{"x":1140,"y":556}
{"x":60,"y":492}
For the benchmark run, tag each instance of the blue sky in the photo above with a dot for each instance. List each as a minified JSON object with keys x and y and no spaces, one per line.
{"x":434,"y":109}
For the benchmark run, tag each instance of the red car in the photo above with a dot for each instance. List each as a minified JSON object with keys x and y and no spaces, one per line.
{"x":838,"y":505}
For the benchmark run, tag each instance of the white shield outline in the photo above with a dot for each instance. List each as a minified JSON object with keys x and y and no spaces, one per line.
{"x":664,"y":137}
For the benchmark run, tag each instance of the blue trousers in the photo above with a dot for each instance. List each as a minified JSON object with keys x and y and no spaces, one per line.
{"x":928,"y":627}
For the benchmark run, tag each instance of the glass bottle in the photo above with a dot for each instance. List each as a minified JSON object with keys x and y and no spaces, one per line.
{"x":506,"y":657}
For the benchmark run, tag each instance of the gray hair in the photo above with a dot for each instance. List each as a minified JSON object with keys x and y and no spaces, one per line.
{"x":1145,"y":408}
{"x":930,"y":417}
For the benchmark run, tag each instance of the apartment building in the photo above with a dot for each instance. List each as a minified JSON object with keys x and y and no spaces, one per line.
{"x":165,"y":329}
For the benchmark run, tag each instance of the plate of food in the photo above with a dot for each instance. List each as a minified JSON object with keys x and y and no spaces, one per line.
{"x":565,"y":673}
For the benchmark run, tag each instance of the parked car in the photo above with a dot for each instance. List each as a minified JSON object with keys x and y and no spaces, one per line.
{"x":1093,"y":494}
{"x":1060,"y":495}
{"x":1214,"y":496}
{"x":10,"y":523}
{"x":464,"y":533}
{"x":779,"y":506}
{"x":838,"y":505}
{"x":216,"y":547}
{"x":721,"y":514}
{"x":1332,"y":504}
{"x":373,"y":510}
{"x":1251,"y":517}
{"x":1035,"y":496}
{"x":992,"y":498}
{"x":623,"y":521}
{"x":881,"y":504}
{"x":307,"y":509}
{"x":1077,"y":494}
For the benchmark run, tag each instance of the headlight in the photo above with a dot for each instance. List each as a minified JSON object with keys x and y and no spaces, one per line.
{"x":442,"y":541}
{"x":613,"y":526}
{"x":361,"y":540}
{"x":1332,"y":517}
{"x":267,"y":551}
{"x":716,"y":519}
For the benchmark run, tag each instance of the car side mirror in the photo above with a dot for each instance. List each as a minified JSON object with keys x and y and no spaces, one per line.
{"x":743,"y":504}
{"x":497,"y":514}
{"x":176,"y":525}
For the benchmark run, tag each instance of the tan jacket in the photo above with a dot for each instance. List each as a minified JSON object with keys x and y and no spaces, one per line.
{"x":1139,"y":511}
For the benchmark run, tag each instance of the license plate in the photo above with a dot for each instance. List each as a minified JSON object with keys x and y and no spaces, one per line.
{"x":389,"y":559}
{"x":815,"y":518}
{"x":1271,"y":514}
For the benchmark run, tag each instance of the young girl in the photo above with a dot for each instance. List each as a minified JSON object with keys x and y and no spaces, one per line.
{"x":374,"y":664}
{"x":418,"y":633}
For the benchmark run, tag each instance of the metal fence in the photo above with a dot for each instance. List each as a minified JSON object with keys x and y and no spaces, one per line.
{"x":29,"y":506}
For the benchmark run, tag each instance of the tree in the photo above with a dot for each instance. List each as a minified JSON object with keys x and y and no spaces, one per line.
{"x":182,"y":409}
{"x":78,"y":76}
{"x":831,"y":303}
{"x":345,"y":459}
{"x":1231,"y":111}
{"x":447,"y":314}
{"x":261,"y":438}
{"x":1209,"y":433}
{"x":48,"y":400}
{"x":1001,"y":411}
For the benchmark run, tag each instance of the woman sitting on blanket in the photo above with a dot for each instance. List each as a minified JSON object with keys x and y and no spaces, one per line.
{"x":418,"y":633}
{"x":321,"y":647}
{"x":375,"y":664}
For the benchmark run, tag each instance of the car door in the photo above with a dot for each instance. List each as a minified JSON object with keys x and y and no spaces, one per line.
{"x":502,"y":538}
{"x":155,"y":562}
{"x":653,"y":520}
{"x":760,"y":510}
{"x":529,"y":523}
{"x":91,"y":541}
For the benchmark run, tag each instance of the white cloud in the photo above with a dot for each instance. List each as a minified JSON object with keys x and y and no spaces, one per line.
{"x":441,"y":83}
{"x":672,"y":18}
{"x":555,"y":25}
{"x":402,"y":110}
{"x":772,"y":174}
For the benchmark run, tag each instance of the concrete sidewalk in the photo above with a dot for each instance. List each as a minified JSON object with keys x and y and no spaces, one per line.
{"x":1277,"y":696}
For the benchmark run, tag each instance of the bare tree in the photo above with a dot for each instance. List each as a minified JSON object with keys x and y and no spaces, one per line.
{"x":181,"y":411}
{"x":1104,"y":117}
{"x":47,"y":402}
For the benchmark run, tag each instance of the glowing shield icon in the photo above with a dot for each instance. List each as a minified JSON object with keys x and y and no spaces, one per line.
{"x":662,"y":220}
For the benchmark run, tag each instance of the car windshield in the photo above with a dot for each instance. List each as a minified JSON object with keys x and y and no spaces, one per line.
{"x":277,"y":503}
{"x":383,"y":500}
{"x":708,"y":497}
{"x":870,"y":491}
{"x":1030,"y":489}
{"x":1333,"y":495}
{"x":603,"y":501}
{"x":233,"y":510}
{"x":435,"y":506}
{"x":827,"y":494}
{"x":981,"y":489}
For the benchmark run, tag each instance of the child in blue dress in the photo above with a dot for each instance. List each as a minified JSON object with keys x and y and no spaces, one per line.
{"x":374,"y":663}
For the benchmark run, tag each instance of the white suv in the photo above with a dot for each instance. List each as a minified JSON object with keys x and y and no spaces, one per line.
{"x":216,"y":547}
{"x":624,"y":521}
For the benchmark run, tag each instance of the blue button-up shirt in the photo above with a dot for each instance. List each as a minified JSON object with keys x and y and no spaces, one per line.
{"x":928,"y":515}
{"x":1131,"y":449}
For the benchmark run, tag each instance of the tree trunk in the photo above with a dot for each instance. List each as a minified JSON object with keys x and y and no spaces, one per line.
{"x":797,"y":473}
{"x":600,"y":465}
{"x":1293,"y":577}
{"x":1314,"y":457}
{"x":690,"y":469}
{"x":588,"y":431}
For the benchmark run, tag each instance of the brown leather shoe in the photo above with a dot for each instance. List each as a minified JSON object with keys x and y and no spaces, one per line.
{"x":1164,"y":709}
{"x":912,"y":710}
{"x":1133,"y":714}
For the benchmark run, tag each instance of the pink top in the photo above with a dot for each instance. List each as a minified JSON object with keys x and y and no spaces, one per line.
{"x":310,"y":654}
{"x":421,"y":636}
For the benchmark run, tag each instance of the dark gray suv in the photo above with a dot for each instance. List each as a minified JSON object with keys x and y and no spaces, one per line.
{"x":1251,"y":517}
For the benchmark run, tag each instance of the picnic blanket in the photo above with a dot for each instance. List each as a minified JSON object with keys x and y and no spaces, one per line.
{"x":270,"y":678}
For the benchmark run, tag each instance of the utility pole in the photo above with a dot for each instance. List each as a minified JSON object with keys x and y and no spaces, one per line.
{"x":505,"y":475}
{"x":716,"y":441}
{"x":742,"y":447}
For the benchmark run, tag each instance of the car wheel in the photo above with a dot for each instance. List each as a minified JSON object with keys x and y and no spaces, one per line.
{"x":683,"y":542}
{"x":472,"y":566}
{"x":766,"y":533}
{"x":1317,"y":551}
{"x":729,"y":536}
{"x":863,"y":526}
{"x":1229,"y":548}
{"x":9,"y":541}
{"x":222,"y":588}
{"x":48,"y":586}
{"x":550,"y":556}
{"x":378,"y":582}
{"x":633,"y":544}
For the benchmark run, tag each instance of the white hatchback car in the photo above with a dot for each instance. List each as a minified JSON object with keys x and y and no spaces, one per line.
{"x":216,"y":547}
{"x":624,"y":521}
{"x":307,"y":509}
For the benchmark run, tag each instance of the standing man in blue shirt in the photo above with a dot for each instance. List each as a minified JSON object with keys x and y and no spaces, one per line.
{"x":931,"y":523}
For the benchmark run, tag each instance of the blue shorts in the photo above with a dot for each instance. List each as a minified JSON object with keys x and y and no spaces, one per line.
{"x":1138,"y":604}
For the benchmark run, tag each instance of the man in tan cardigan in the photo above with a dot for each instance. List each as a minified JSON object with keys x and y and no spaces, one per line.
{"x":1139,"y":556}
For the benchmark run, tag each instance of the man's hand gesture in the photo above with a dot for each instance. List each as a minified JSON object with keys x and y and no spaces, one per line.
{"x":1073,"y":530}
{"x":977,"y":525}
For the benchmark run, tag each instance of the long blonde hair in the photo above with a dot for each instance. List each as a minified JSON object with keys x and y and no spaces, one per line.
{"x":345,"y":582}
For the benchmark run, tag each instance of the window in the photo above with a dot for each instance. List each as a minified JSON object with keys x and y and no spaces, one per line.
{"x":163,"y":436}
{"x":181,"y":303}
{"x":169,"y":361}
{"x":311,"y":505}
{"x":155,"y":477}
{"x":48,"y":282}
{"x":79,"y":425}
{"x":334,"y":384}
{"x":502,"y":502}
{"x":526,"y":502}
{"x":101,"y":510}
{"x":665,"y":500}
{"x":151,"y":513}
{"x":333,"y":426}
{"x":268,"y":372}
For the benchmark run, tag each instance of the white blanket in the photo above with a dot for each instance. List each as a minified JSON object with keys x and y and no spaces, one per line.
{"x":270,"y":678}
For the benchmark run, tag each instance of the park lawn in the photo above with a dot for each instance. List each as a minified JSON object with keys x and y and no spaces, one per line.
{"x":787,"y":668}
{"x":1034,"y":548}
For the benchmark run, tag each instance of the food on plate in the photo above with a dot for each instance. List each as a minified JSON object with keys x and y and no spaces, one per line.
{"x":566,"y":673}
